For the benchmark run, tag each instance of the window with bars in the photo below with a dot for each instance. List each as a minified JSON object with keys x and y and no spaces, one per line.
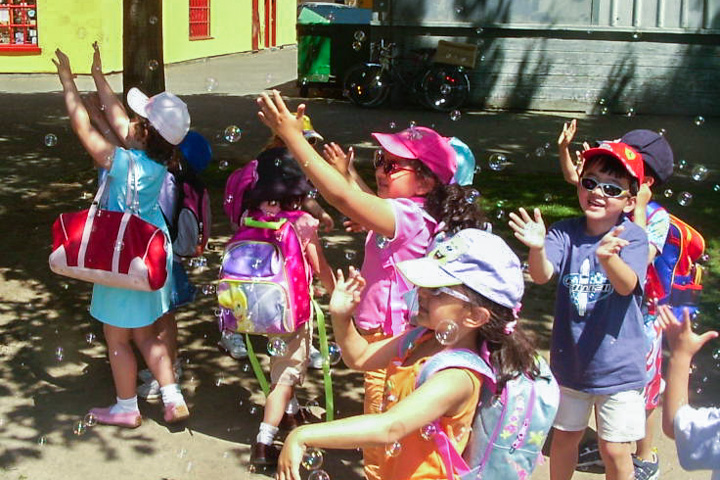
{"x":18,"y":26}
{"x":199,"y":19}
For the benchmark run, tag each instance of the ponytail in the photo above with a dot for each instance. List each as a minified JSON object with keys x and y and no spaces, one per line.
{"x":454,"y":208}
{"x":157,"y":148}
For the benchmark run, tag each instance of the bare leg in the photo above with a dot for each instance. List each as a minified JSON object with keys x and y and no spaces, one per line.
{"x":617,"y":459}
{"x":645,"y":446}
{"x":166,"y":328}
{"x":155,"y":353}
{"x":276,"y":403}
{"x":122,"y":359}
{"x":564,"y":453}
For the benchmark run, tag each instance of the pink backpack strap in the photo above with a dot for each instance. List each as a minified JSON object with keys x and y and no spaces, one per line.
{"x":453,"y":461}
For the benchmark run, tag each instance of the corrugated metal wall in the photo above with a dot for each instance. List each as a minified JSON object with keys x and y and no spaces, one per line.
{"x":651,"y":56}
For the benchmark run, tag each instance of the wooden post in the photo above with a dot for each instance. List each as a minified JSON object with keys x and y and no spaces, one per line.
{"x":143,"y":61}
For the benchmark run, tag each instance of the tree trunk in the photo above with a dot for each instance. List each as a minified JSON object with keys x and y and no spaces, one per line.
{"x":143,"y":61}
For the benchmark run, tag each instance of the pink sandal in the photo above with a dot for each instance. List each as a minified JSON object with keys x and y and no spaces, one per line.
{"x":176,"y":412}
{"x":123,"y":419}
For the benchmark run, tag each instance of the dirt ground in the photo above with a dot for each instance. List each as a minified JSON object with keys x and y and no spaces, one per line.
{"x":53,"y":362}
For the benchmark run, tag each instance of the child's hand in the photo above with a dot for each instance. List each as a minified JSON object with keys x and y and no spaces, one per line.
{"x":275,"y":114}
{"x":353,"y":227}
{"x":97,"y":60}
{"x":611,"y":244}
{"x":326,"y":222}
{"x":63,"y":66}
{"x":644,"y":196}
{"x":335,"y":156}
{"x":346,"y":295}
{"x":530,"y":231}
{"x":567,"y":134}
{"x":681,"y":339}
{"x":291,"y":455}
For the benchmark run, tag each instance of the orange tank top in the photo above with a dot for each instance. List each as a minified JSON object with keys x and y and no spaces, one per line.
{"x":417,"y":458}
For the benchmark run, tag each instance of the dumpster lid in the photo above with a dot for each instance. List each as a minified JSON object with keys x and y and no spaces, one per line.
{"x":326,"y":12}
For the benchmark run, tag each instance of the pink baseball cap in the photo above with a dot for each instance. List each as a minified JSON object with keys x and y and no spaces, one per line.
{"x":628,"y":156}
{"x":425,"y":145}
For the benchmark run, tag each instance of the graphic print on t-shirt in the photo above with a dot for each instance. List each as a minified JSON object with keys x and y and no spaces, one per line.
{"x":586,"y":288}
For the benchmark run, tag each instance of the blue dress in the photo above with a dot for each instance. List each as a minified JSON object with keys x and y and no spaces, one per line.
{"x":120,"y":307}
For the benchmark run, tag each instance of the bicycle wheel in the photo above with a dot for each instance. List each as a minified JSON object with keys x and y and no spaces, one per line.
{"x":367,"y":85}
{"x":444,"y":87}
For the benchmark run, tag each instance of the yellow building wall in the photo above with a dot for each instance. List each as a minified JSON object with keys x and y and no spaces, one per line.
{"x":72,"y":26}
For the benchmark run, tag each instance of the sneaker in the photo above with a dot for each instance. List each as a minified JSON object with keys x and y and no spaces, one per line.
{"x":265,"y":455}
{"x":146,"y":376}
{"x":589,"y":456}
{"x":234,"y":345}
{"x":176,"y":412}
{"x":316,"y":360}
{"x":149,"y":390}
{"x":646,"y":470}
{"x":124,"y":419}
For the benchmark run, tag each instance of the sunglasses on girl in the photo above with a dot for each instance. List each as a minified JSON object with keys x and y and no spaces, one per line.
{"x":608,"y":189}
{"x":389,"y":165}
{"x":435,"y":292}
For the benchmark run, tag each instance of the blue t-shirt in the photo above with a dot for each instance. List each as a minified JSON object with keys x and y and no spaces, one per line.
{"x":598,"y":342}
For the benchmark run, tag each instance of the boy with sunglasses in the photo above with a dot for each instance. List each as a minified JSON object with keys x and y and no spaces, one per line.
{"x":598,"y":342}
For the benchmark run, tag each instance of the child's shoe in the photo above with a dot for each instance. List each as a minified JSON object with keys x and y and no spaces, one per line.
{"x":122,"y":419}
{"x":589,"y":456}
{"x":291,"y":421}
{"x":176,"y":412}
{"x":647,"y":470}
{"x":146,"y":376}
{"x":315,"y":359}
{"x":264,"y":455}
{"x":233,"y":344}
{"x":150,"y":391}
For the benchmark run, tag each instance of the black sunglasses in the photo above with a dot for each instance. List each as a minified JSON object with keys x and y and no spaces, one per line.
{"x":608,"y":189}
{"x":389,"y":166}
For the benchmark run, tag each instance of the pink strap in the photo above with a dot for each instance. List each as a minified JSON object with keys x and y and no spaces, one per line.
{"x":454,"y":463}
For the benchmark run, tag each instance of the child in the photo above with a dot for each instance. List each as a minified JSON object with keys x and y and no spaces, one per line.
{"x":658,"y":162}
{"x":597,"y":347}
{"x":696,"y":430}
{"x":281,"y":187}
{"x":473,"y":280}
{"x":129,"y":315}
{"x":412,"y":170}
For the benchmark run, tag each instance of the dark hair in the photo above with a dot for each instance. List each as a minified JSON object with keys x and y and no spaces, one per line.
{"x":280,"y":180}
{"x":454,"y":207}
{"x":512,"y":354}
{"x":156,"y":147}
{"x":613,"y":166}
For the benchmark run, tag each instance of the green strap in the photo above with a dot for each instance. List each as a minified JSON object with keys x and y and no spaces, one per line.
{"x":327,"y":379}
{"x":257,"y":369}
{"x":251,"y":222}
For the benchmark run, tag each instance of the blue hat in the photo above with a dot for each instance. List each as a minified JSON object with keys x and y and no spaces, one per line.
{"x":196,"y":150}
{"x":465,"y":162}
{"x":655,"y":151}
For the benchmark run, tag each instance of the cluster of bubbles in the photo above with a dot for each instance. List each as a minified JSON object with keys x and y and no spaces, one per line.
{"x":359,"y":38}
{"x":79,"y":427}
{"x":197,"y":262}
{"x":232,"y":134}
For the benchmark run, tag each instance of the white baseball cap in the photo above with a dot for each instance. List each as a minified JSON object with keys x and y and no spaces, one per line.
{"x":165,"y":111}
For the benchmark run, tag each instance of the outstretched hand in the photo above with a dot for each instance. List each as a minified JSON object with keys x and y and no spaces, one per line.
{"x":530,"y":231}
{"x":611,"y":244}
{"x":97,"y":60}
{"x":276,"y":116}
{"x":568,"y":134}
{"x":346,"y":295}
{"x":62,"y":63}
{"x":681,"y":338}
{"x":291,"y":455}
{"x":336,"y":156}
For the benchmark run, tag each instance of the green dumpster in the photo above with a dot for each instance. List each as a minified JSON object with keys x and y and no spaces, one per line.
{"x":331,"y":39}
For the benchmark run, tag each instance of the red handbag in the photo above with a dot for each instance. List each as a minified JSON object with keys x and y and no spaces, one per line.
{"x":117,"y":249}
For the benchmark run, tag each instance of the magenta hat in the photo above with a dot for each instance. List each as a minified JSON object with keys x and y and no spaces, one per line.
{"x":425,"y":145}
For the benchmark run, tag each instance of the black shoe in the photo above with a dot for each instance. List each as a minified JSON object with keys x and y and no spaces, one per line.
{"x":589,"y":456}
{"x":292,"y":421}
{"x":264,"y":455}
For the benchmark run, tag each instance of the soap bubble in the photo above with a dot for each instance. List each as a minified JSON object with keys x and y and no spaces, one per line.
{"x":81,"y":33}
{"x":393,"y":449}
{"x":312,"y":193}
{"x":699,"y":173}
{"x":603,"y":110}
{"x":382,"y":241}
{"x":460,"y":434}
{"x":668,"y":193}
{"x":253,"y":410}
{"x":319,"y":475}
{"x":357,"y":46}
{"x":232,"y":134}
{"x":472,"y":196}
{"x":79,"y":428}
{"x":540,"y":152}
{"x":153,"y":65}
{"x":602,"y":101}
{"x":716,"y":354}
{"x":662,"y":132}
{"x":479,"y":31}
{"x":447,"y":332}
{"x":119,"y":245}
{"x":90,"y":420}
{"x":497,"y":162}
{"x":428,"y":431}
{"x":716,"y":188}
{"x":445,"y":88}
{"x":59,"y":354}
{"x":455,"y":115}
{"x":211,"y":84}
{"x":246,"y":368}
{"x":153,"y":20}
{"x":458,"y":10}
{"x":334,"y":353}
{"x":331,"y":17}
{"x":548,"y":197}
{"x":636,"y":35}
{"x":312,"y":403}
{"x":50,"y":140}
{"x":223,"y":164}
{"x":350,"y":256}
{"x":312,"y":459}
{"x":684,"y":199}
{"x":500,"y":214}
{"x":699,"y":120}
{"x":42,"y":441}
{"x":277,"y":347}
{"x":208,"y":289}
{"x":393,"y":125}
{"x":630,"y":112}
{"x":359,"y":35}
{"x":682,"y":164}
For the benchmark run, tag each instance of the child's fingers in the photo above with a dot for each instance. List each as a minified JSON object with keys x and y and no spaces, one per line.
{"x":524,"y":215}
{"x":706,"y":337}
{"x":340,"y":277}
{"x":300,"y":109}
{"x":537,"y":215}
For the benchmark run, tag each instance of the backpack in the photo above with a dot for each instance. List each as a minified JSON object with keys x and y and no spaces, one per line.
{"x":509,"y":428}
{"x":185,"y":203}
{"x":237,"y":184}
{"x":675,"y":277}
{"x":265,"y":280}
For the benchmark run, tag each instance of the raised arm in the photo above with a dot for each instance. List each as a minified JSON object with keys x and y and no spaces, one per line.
{"x":99,"y":148}
{"x":368,"y":210}
{"x":114,"y":111}
{"x":345,"y":164}
{"x":531,"y":232}
{"x":567,"y":165}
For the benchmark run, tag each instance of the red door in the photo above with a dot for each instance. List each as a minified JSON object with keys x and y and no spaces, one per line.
{"x":255,"y":41}
{"x":270,"y":23}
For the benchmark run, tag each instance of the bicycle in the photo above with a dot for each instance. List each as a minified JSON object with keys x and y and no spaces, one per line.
{"x":437,"y":85}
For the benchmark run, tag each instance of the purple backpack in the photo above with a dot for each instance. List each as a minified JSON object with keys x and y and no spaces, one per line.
{"x":265,"y":280}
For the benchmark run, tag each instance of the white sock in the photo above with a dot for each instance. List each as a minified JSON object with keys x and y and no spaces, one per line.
{"x":171,"y":394}
{"x":293,"y":406}
{"x":266,"y":434}
{"x":126,"y":405}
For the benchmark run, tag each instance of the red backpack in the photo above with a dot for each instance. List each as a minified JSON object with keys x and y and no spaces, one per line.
{"x":675,"y":277}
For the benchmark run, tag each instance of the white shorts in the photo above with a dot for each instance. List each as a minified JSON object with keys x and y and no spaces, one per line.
{"x":620,"y":416}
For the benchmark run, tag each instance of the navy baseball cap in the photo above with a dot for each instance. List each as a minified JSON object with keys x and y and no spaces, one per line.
{"x":655,"y":150}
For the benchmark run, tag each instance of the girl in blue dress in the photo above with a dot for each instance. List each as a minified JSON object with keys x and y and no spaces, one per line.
{"x":128,"y":315}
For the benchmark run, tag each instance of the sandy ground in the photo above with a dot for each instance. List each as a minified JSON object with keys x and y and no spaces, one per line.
{"x":53,"y":362}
